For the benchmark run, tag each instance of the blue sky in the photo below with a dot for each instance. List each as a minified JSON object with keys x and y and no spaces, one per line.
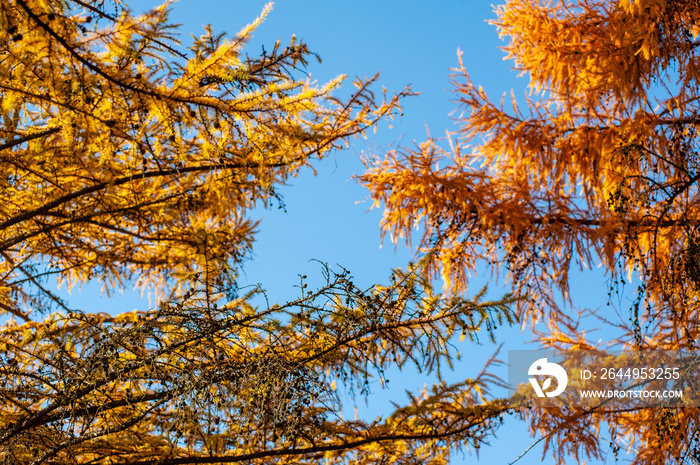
{"x":328,"y":217}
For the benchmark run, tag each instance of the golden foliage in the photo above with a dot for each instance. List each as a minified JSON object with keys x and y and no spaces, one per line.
{"x":205,"y":377}
{"x":599,"y":167}
{"x":125,"y":160}
{"x":122,"y":157}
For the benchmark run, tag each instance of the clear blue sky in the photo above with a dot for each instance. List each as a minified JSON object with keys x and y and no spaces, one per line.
{"x":409,"y":42}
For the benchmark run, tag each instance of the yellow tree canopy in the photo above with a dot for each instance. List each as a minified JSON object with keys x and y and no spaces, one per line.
{"x":598,"y":167}
{"x":122,"y":158}
{"x":209,"y":379}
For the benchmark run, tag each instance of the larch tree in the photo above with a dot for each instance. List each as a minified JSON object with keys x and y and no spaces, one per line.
{"x":599,"y":166}
{"x":125,"y":159}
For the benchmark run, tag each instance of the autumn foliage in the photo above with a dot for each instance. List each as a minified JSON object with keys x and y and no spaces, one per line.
{"x":597,"y":165}
{"x":126,"y":159}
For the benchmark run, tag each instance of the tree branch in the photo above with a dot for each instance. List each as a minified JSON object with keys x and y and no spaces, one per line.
{"x":28,"y":137}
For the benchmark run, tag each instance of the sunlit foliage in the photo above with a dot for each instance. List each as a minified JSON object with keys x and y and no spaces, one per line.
{"x":126,"y":159}
{"x":123,"y":157}
{"x":597,"y":166}
{"x":204,"y":376}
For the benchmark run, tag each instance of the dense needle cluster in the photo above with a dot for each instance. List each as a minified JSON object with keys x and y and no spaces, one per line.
{"x":126,"y":159}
